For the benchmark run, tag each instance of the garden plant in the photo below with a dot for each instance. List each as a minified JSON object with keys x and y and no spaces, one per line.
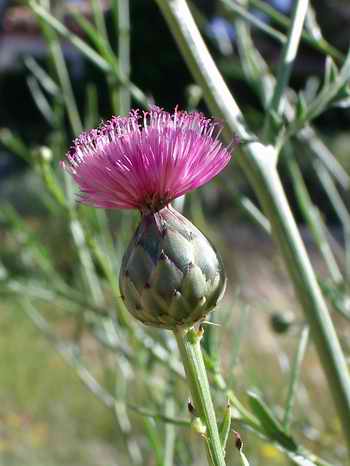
{"x":127,"y":249}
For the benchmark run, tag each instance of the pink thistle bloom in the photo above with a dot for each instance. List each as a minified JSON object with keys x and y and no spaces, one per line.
{"x":145,"y":162}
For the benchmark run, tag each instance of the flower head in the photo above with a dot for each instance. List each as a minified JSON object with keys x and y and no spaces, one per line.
{"x":144,"y":161}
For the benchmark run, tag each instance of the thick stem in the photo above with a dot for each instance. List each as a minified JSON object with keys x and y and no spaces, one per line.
{"x":189,"y":346}
{"x":259,"y":164}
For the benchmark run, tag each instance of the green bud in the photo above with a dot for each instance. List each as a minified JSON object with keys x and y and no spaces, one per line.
{"x":198,"y":426}
{"x":281,"y":323}
{"x":171,"y":276}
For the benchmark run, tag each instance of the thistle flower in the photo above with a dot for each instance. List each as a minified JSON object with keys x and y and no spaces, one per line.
{"x":171,"y":276}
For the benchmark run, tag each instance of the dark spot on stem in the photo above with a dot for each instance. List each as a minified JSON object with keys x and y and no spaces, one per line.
{"x":190,"y":407}
{"x":238,"y":442}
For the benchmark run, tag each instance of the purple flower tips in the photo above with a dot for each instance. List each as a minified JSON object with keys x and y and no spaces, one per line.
{"x":144,"y":161}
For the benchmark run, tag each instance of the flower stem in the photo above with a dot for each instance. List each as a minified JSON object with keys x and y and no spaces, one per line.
{"x":189,"y":346}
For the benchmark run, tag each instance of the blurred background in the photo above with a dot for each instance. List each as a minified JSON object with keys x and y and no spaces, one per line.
{"x":65,"y":66}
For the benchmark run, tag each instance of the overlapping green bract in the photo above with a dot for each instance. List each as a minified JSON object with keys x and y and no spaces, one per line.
{"x":171,"y":275}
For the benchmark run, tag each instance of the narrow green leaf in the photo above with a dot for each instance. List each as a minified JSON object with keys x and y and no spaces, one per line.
{"x":331,"y":72}
{"x":301,"y":107}
{"x":15,"y":144}
{"x":40,"y":100}
{"x":295,"y":375}
{"x":170,"y":431}
{"x":96,"y":38}
{"x":338,"y":295}
{"x":43,"y":159}
{"x":73,"y":38}
{"x":158,"y":416}
{"x":312,"y":26}
{"x":270,"y":425}
{"x":42,"y":76}
{"x":91,"y":105}
{"x":154,"y":441}
{"x":108,"y":66}
{"x":225,"y":426}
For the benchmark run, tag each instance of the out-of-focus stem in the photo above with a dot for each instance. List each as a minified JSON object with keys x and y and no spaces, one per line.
{"x":295,"y":374}
{"x":188,"y":342}
{"x":239,"y":10}
{"x":339,"y":207}
{"x":102,"y":33}
{"x":259,"y":163}
{"x":313,"y":220}
{"x":124,"y":53}
{"x":320,"y":44}
{"x":286,"y":62}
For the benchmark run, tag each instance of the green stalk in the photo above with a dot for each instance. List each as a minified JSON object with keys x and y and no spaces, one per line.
{"x":259,"y":164}
{"x":261,"y":79}
{"x":234,"y":8}
{"x":170,"y":433}
{"x":189,"y":346}
{"x":101,"y":29}
{"x":313,"y":219}
{"x":286,"y":62}
{"x":124,"y":53}
{"x":295,"y":376}
{"x":339,"y":207}
{"x":319,"y":44}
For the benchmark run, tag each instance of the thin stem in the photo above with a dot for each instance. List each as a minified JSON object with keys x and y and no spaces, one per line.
{"x":102,"y":34}
{"x":339,"y":207}
{"x":287,"y":59}
{"x":260,"y":77}
{"x":241,"y":11}
{"x":320,"y":44}
{"x":107,"y":65}
{"x":190,"y":350}
{"x":328,"y":94}
{"x":259,"y":164}
{"x":124,"y":53}
{"x":170,"y":434}
{"x":295,"y":374}
{"x":320,"y":150}
{"x":313,"y":219}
